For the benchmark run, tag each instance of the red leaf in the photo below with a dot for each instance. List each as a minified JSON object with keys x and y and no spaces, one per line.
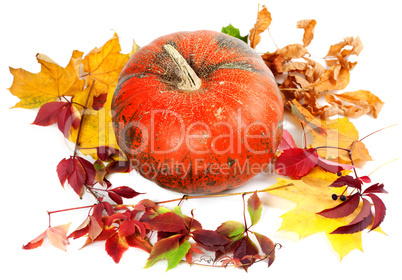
{"x":344,"y":209}
{"x":245,"y":248}
{"x":35,"y":243}
{"x":141,"y":228}
{"x":376,"y":188}
{"x":210,"y":240}
{"x":127,"y":227}
{"x":347,"y":181}
{"x":117,"y":217}
{"x":380,"y":210}
{"x":125,"y":192}
{"x":90,"y":171}
{"x":115,"y":247}
{"x":81,"y":230}
{"x":296,"y":162}
{"x":136,"y":241}
{"x":267,"y":247}
{"x":362,"y":220}
{"x":49,"y":113}
{"x":287,"y":141}
{"x":167,"y":222}
{"x":77,"y":177}
{"x":64,"y":121}
{"x":333,"y":167}
{"x":99,"y":101}
{"x":365,"y":179}
{"x":109,"y":208}
{"x":64,"y":169}
{"x":72,"y":170}
{"x":118,"y":167}
{"x":105,"y":153}
{"x":115,"y":197}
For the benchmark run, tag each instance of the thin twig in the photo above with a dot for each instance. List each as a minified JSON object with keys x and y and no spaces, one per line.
{"x":220,"y":195}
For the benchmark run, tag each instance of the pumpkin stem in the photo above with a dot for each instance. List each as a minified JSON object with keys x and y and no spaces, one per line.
{"x":189,"y":79}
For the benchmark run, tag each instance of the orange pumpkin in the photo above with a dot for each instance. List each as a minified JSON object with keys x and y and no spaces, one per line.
{"x":197,"y":112}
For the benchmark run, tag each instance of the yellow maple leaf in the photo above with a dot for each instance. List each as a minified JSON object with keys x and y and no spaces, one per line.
{"x":104,"y":65}
{"x":97,"y":126}
{"x":313,"y":195}
{"x":334,"y":134}
{"x":51,"y":82}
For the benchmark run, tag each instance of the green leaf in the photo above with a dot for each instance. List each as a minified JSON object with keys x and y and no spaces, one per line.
{"x":254,"y":207}
{"x":178,"y":255}
{"x":234,"y":32}
{"x":163,"y":249}
{"x":230,"y":229}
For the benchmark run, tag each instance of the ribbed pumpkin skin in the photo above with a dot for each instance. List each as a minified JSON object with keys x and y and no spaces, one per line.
{"x":206,"y":140}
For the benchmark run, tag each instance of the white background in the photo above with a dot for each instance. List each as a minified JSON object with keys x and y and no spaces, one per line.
{"x":30,"y":187}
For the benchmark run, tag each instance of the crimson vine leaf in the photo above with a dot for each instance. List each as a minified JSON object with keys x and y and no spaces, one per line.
{"x":167,"y":222}
{"x":287,"y":141}
{"x":296,"y":162}
{"x":71,"y":170}
{"x":210,"y":240}
{"x":362,"y":220}
{"x":267,"y":247}
{"x":135,"y":240}
{"x":125,"y":192}
{"x":376,"y":188}
{"x":48,"y":113}
{"x":343,"y":209}
{"x":380,"y":210}
{"x":347,"y":181}
{"x":115,"y":246}
{"x":115,"y":197}
{"x":246,"y":247}
{"x":99,"y":101}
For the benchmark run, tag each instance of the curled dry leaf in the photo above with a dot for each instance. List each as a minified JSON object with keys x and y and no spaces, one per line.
{"x":308,"y":26}
{"x":263,"y":22}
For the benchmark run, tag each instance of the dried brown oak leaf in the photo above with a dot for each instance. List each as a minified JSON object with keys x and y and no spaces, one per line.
{"x":308,"y":26}
{"x":263,"y":22}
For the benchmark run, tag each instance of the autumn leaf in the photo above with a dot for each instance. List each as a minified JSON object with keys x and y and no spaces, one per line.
{"x":337,"y":133}
{"x":263,"y":22}
{"x":246,"y":248}
{"x":308,"y":26}
{"x":115,"y":247}
{"x":364,"y":101}
{"x":312,"y":198}
{"x":97,"y":127}
{"x":169,"y":248}
{"x":254,"y":208}
{"x":77,"y":171}
{"x":52,"y":82}
{"x":57,"y":236}
{"x":210,"y":240}
{"x":104,"y":65}
{"x":267,"y":247}
{"x":296,"y":162}
{"x":167,"y":222}
{"x":230,"y":229}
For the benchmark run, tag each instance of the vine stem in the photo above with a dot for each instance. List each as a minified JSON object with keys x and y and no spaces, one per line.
{"x":187,"y":197}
